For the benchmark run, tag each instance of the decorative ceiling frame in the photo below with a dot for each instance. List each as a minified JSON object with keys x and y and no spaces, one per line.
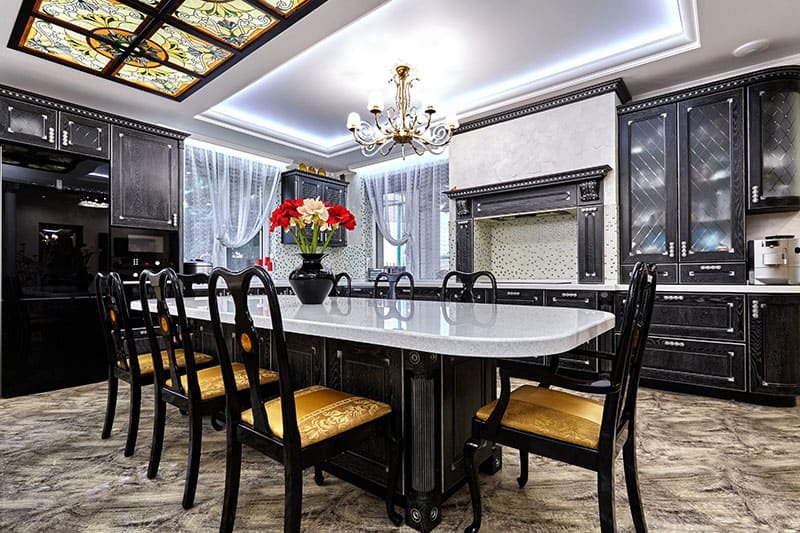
{"x":171,"y":48}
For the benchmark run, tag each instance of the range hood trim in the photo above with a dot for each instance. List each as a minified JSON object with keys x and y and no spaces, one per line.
{"x":547,"y":180}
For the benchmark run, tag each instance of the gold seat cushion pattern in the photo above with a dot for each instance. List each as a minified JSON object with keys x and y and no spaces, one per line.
{"x":212,"y":386}
{"x":551,"y":413}
{"x":146,"y":360}
{"x":322,"y":413}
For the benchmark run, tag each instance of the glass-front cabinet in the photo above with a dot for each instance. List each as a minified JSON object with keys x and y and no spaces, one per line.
{"x":710,"y":170}
{"x":647,"y":182}
{"x":774,"y":162}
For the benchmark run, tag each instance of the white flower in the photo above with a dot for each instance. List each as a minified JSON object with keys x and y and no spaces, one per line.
{"x":313,"y":207}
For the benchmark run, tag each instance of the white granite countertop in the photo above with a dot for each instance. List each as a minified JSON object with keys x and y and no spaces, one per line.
{"x":463,"y":329}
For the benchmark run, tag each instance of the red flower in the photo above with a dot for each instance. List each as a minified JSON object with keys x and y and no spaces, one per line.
{"x":340,"y":215}
{"x":283,"y":214}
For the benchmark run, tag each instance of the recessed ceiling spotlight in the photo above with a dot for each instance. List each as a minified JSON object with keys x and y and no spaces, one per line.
{"x":759,"y":45}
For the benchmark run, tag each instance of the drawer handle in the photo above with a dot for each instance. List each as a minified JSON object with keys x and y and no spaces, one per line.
{"x":676,"y":344}
{"x":671,"y":249}
{"x":683,"y":249}
{"x":673,"y":297}
{"x":730,"y":273}
{"x":513,"y":293}
{"x":754,"y":309}
{"x":569,"y":294}
{"x":755,"y":195}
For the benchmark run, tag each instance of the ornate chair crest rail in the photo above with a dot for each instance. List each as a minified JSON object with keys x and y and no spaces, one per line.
{"x":572,"y":428}
{"x":393,"y":280}
{"x":331,"y":421}
{"x":339,"y":291}
{"x":467,"y":280}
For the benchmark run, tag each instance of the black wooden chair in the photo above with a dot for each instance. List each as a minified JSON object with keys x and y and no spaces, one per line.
{"x":393,"y":280}
{"x":301,"y":428}
{"x":190,"y":280}
{"x":571,"y":428}
{"x":198,"y":391}
{"x":342,"y":291}
{"x":466,"y":292}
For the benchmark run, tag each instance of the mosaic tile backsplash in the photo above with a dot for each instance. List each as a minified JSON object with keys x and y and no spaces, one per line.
{"x":531,"y":247}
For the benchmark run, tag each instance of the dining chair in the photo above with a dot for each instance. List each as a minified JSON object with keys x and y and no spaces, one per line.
{"x":570,"y":428}
{"x":393,"y":280}
{"x":467,"y":291}
{"x":124,"y":361}
{"x":188,"y":281}
{"x":299,"y":429}
{"x":196,"y":390}
{"x":342,"y":291}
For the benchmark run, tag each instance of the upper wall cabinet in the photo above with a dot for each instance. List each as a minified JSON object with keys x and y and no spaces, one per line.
{"x":28,"y":123}
{"x":82,"y":135}
{"x":774,"y":162}
{"x":145,"y":180}
{"x":298,"y":184}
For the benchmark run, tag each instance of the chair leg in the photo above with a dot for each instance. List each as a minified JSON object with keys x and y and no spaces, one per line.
{"x":470,"y":458}
{"x":159,"y":420}
{"x":233,"y":470}
{"x":193,"y":464}
{"x":293,"y":498}
{"x":632,"y":484}
{"x":133,"y":419}
{"x":391,"y":480}
{"x":111,"y":405}
{"x":319,"y":476}
{"x":605,"y":495}
{"x":523,"y":468}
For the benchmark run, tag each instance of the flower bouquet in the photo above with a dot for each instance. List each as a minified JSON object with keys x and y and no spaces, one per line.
{"x":307,"y":219}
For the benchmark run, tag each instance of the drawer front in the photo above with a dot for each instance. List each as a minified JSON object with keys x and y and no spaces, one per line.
{"x":705,"y":316}
{"x":667,"y":273}
{"x":714,"y":273}
{"x":432,"y":294}
{"x":579,"y":299}
{"x":361,"y":292}
{"x":520,"y":296}
{"x":693,"y":362}
{"x":580,"y":363}
{"x":526,"y":201}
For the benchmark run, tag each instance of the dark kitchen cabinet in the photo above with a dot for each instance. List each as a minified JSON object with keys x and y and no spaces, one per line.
{"x":305,"y":358}
{"x":590,"y":244}
{"x":774,"y":345}
{"x":464,"y":245}
{"x":774,"y":141}
{"x":145,"y":180}
{"x":711,"y":143}
{"x":299,"y":184}
{"x":82,"y":135}
{"x":582,"y":300}
{"x":373,"y":372}
{"x":28,"y":123}
{"x":682,"y":188}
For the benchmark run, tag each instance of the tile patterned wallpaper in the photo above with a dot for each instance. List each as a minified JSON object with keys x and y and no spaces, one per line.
{"x":531,"y":247}
{"x":353,"y":258}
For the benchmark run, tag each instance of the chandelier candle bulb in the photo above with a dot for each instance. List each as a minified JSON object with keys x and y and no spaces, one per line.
{"x":375,"y":102}
{"x":452,"y":121}
{"x":353,"y":121}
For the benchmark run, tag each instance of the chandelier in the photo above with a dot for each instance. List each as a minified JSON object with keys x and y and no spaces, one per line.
{"x":402,"y":124}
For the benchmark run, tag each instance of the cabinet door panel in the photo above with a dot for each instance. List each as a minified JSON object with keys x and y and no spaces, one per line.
{"x":667,"y":274}
{"x":774,"y":162}
{"x":305,"y":359}
{"x":464,"y":245}
{"x":648,"y":186}
{"x":590,"y":244}
{"x":711,"y":155}
{"x":145,"y":183}
{"x":774,"y":343}
{"x":27,"y":123}
{"x":335,"y":194}
{"x":83,"y":135}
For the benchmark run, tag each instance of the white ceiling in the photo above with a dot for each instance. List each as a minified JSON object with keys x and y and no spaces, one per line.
{"x":290,"y":98}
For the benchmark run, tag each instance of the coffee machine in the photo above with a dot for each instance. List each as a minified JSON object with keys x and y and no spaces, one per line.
{"x":774,"y":260}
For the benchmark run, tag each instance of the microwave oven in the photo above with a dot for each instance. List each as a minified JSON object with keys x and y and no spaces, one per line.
{"x":135,"y":249}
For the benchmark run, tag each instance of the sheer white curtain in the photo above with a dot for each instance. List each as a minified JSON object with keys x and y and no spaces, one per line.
{"x":228,"y":198}
{"x":418,"y":185}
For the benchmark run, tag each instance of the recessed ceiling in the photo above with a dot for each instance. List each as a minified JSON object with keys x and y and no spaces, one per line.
{"x":472,"y":54}
{"x":169,"y":47}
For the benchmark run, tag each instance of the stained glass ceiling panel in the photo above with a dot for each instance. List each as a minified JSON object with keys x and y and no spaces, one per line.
{"x":171,"y":48}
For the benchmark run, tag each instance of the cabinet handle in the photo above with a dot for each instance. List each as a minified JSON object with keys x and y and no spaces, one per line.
{"x":673,"y":297}
{"x":338,"y":354}
{"x":683,"y":249}
{"x":99,"y":147}
{"x":676,"y":344}
{"x":755,"y":309}
{"x":175,"y":219}
{"x":671,"y":251}
{"x":44,"y":127}
{"x":731,"y":273}
{"x":755,"y":194}
{"x":10,"y":110}
{"x":65,"y":138}
{"x":51,"y":135}
{"x":512,"y":293}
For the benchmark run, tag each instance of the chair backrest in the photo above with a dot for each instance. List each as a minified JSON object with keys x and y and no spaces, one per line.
{"x":112,"y":306}
{"x":467,"y":280}
{"x":190,"y":280}
{"x":392,"y":279}
{"x":174,"y":329}
{"x":339,"y":291}
{"x":620,"y":407}
{"x":238,"y":284}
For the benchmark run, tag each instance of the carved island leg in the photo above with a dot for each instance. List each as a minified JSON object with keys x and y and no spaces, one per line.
{"x":423,"y":500}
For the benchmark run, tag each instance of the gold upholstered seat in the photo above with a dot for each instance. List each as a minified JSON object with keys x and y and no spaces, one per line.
{"x":551,"y":413}
{"x":146,"y":360}
{"x":322,"y":413}
{"x":212,"y":386}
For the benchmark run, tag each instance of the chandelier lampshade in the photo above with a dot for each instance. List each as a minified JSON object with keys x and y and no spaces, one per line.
{"x":402,"y":124}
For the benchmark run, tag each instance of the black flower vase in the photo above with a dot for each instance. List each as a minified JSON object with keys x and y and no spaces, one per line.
{"x":310,"y":282}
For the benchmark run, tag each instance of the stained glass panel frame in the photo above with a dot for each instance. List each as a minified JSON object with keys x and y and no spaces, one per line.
{"x":196,"y":55}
